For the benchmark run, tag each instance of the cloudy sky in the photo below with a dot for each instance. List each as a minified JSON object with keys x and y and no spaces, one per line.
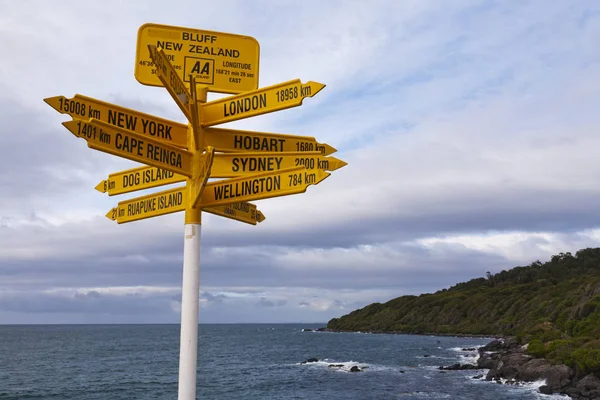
{"x":471,"y":129}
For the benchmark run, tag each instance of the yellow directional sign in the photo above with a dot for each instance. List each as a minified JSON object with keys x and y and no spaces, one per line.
{"x":243,"y":212}
{"x":260,"y":186}
{"x":137,"y":179}
{"x":171,"y":81}
{"x":203,"y":164}
{"x":231,"y":140}
{"x":120,"y":142}
{"x":174,"y":200}
{"x":229,"y":165}
{"x":83,"y":107}
{"x":261,"y":101}
{"x":196,"y":129}
{"x":152,"y":205}
{"x":225,"y":62}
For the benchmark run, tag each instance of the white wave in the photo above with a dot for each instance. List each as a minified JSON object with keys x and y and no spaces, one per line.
{"x":535,"y":386}
{"x":346,"y":365}
{"x":460,"y":349}
{"x":424,"y":395}
{"x":532,"y":387}
{"x":469,"y":358}
{"x":434,"y":356}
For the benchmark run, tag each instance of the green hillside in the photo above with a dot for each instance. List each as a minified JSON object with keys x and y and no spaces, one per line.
{"x":555,"y":306}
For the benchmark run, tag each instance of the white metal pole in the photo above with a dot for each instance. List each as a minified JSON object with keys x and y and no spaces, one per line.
{"x":190,"y":293}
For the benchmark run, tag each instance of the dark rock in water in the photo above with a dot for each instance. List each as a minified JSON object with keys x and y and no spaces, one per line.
{"x":469,"y":349}
{"x":557,"y":376}
{"x":545,"y":389}
{"x":354,"y":369}
{"x":307,"y":330}
{"x":335,"y":365}
{"x":320,"y":329}
{"x":426,"y":355}
{"x":488,"y":361}
{"x":477,"y":377}
{"x":510,"y":365}
{"x":494,"y":345}
{"x":459,"y":367}
{"x":401,"y":371}
{"x":500,"y":345}
{"x":442,"y":372}
{"x":310,"y":360}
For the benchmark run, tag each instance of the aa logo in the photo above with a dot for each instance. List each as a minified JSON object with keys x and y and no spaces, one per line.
{"x":203,"y":69}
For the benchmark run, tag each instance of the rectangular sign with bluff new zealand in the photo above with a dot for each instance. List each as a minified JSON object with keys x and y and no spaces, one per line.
{"x":224,"y":62}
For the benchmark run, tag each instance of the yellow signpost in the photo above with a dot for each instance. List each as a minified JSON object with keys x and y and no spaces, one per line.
{"x":230,"y":165}
{"x":135,"y":179}
{"x":261,"y":186}
{"x":171,"y":81}
{"x":224,"y":62}
{"x":120,"y":142}
{"x":231,"y":140}
{"x":257,"y":102}
{"x":152,"y":205}
{"x":83,"y":108}
{"x":189,"y":63}
{"x":204,"y":164}
{"x":243,"y":212}
{"x":174,"y":200}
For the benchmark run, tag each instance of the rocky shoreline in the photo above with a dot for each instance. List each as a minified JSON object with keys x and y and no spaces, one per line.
{"x":509,"y":361}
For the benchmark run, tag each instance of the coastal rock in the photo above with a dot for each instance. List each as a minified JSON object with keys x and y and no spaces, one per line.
{"x":588,"y":387}
{"x":501,"y":346}
{"x":335,"y":365}
{"x":310,"y":360}
{"x":355,"y":369}
{"x":307,"y":330}
{"x":494,"y":345}
{"x":545,"y":389}
{"x":488,"y":361}
{"x":510,"y":364}
{"x":557,"y":376}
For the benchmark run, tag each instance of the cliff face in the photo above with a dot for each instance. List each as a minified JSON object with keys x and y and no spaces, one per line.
{"x":554,"y":305}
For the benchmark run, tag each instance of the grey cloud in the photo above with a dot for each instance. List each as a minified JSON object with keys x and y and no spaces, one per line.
{"x":264,"y":302}
{"x":212,"y":298}
{"x":92,"y":303}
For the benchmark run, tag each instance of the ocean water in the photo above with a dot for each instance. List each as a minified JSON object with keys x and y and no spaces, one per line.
{"x":243,"y":361}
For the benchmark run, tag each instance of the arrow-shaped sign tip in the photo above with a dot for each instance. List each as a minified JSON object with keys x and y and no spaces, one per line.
{"x":70,"y":125}
{"x":260,"y":217}
{"x":54,"y":102}
{"x":337,"y":163}
{"x":101,"y":187}
{"x":315,"y":87}
{"x":327,"y":149}
{"x":111,"y":214}
{"x":322,"y":176}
